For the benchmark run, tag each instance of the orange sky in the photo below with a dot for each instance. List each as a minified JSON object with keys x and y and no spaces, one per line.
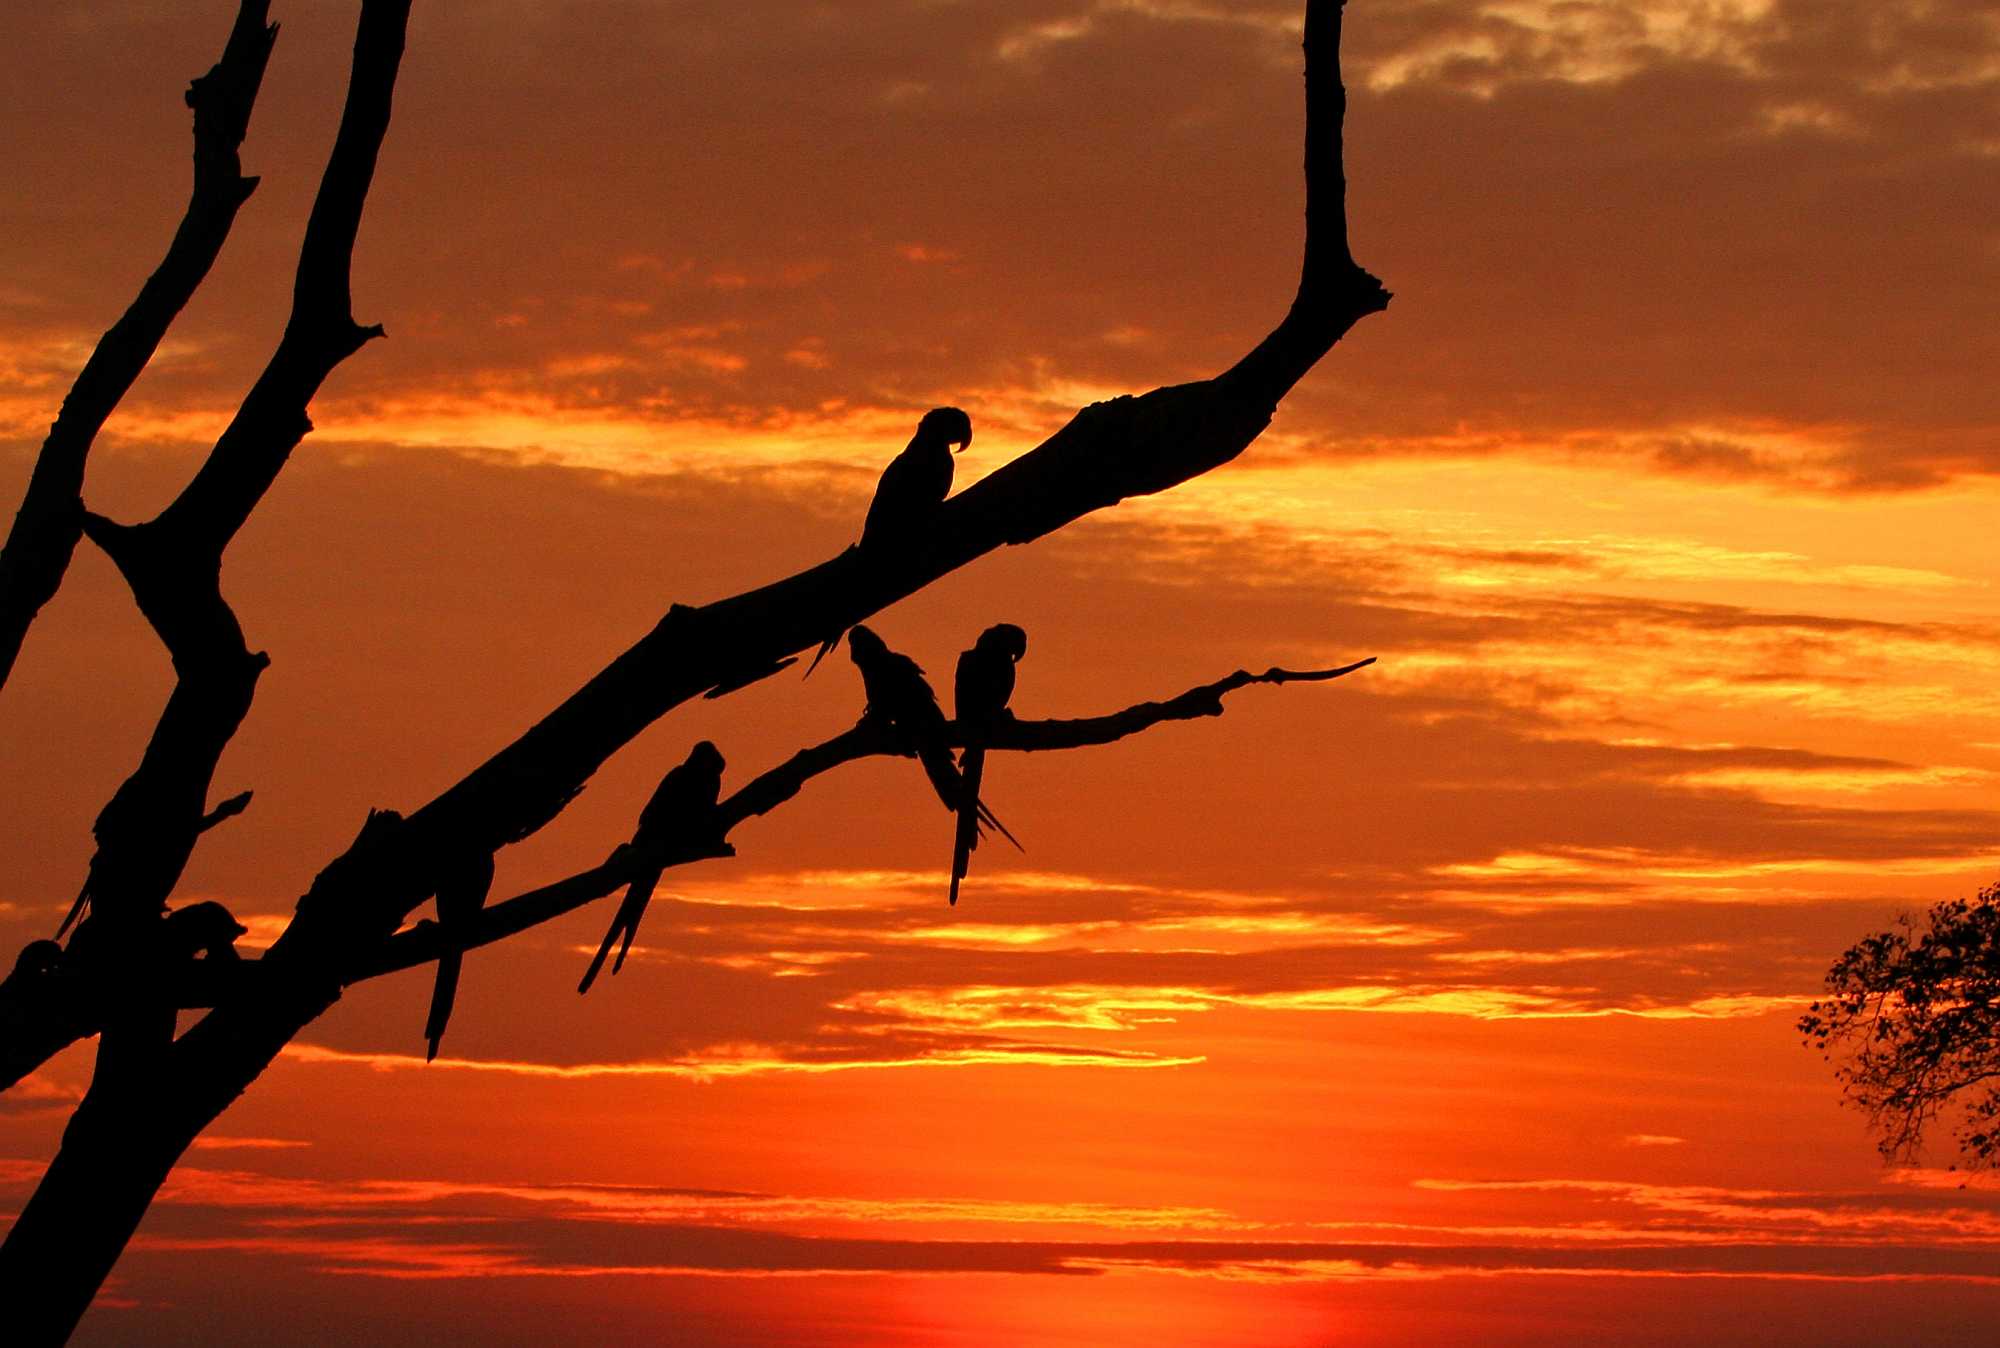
{"x":1447,"y":1004}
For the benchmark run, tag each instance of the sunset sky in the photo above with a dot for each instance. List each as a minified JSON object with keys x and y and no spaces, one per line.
{"x":1449,"y":1003}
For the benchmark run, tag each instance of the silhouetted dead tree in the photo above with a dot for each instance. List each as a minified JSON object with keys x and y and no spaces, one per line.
{"x":131,"y":964}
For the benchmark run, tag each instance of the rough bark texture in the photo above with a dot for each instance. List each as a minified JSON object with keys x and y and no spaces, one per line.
{"x":347,"y":924}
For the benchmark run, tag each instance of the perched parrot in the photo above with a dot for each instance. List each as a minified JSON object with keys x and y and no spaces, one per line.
{"x":980,"y":692}
{"x":911,"y":488}
{"x":682,"y":806}
{"x":899,"y":693}
{"x":916,"y":481}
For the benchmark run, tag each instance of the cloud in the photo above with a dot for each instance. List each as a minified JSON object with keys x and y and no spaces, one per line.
{"x":38,"y":1093}
{"x":421,"y":1229}
{"x":1574,"y":270}
{"x":1697,"y":833}
{"x":1479,"y":48}
{"x":1660,"y":490}
{"x":1754,"y":1215}
{"x":224,"y":1142}
{"x":726,"y":1061}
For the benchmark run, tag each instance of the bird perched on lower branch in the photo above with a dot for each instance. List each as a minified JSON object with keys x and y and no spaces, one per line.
{"x":682,"y":809}
{"x":911,"y":489}
{"x":983,"y":685}
{"x":899,"y":693}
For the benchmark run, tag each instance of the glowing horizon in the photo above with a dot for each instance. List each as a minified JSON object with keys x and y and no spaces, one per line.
{"x":1451,"y":1002}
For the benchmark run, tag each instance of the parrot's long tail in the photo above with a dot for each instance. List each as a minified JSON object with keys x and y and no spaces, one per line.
{"x":442,"y":996}
{"x":626,"y":923}
{"x":992,"y":821}
{"x":943,"y":772}
{"x":972,"y":767}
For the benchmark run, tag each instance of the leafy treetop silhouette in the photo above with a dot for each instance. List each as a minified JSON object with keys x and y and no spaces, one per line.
{"x":1914,"y":1015}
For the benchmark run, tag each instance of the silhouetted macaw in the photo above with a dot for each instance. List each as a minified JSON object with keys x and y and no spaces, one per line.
{"x":682,"y":806}
{"x":910,"y":490}
{"x":899,"y":693}
{"x":980,"y":692}
{"x":460,"y":896}
{"x":916,"y":481}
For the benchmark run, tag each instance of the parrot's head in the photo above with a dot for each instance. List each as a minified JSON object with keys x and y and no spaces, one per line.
{"x":947,"y":424}
{"x":38,"y":958}
{"x":1004,"y":639}
{"x":864,"y":645}
{"x":706,"y":757}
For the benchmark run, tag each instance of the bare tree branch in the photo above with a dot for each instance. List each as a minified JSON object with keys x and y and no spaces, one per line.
{"x":46,"y":527}
{"x":173,"y":562}
{"x":1130,"y":446}
{"x":766,"y":792}
{"x":45,"y":1010}
{"x":1109,"y":451}
{"x":104,"y":1175}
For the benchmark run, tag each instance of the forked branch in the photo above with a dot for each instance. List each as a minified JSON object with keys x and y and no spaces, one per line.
{"x":46,"y":528}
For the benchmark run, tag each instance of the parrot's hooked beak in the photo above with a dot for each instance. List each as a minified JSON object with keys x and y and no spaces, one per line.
{"x":963,"y":445}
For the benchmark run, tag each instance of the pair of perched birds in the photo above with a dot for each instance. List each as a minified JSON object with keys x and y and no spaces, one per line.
{"x":906,"y":498}
{"x":683,"y":806}
{"x":900,"y":695}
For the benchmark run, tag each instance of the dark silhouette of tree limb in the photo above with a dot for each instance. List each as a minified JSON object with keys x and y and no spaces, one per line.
{"x":129,"y":976}
{"x":50,"y":519}
{"x":766,"y":792}
{"x":103,"y":1177}
{"x":1913,"y":1013}
{"x":42,"y":1014}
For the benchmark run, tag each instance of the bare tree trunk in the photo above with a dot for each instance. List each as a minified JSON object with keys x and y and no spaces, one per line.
{"x":149,"y":1096}
{"x":88,"y":1204}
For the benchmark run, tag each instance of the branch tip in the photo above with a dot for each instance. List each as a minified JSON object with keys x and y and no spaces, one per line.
{"x":228,"y":809}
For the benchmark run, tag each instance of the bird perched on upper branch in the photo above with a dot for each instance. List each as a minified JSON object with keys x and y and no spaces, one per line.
{"x":916,"y":481}
{"x":682,"y":808}
{"x":460,"y":896}
{"x":910,"y":490}
{"x":980,"y":692}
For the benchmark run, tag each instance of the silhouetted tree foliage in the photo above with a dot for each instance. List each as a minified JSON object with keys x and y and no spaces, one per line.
{"x":1913,"y":1015}
{"x":133,"y":961}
